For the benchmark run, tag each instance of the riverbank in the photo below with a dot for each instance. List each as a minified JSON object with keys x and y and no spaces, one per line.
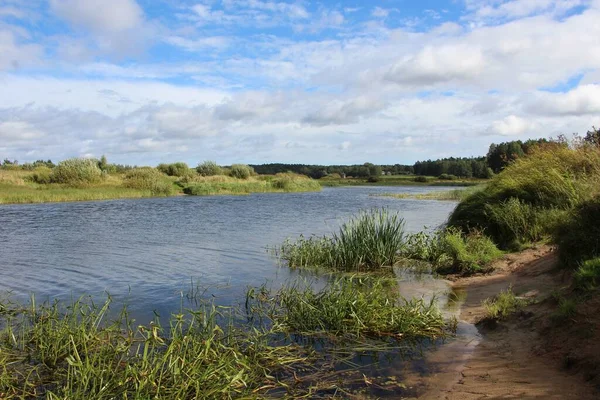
{"x":539,"y":352}
{"x":400,"y":180}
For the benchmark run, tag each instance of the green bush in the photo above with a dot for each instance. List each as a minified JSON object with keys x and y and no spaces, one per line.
{"x":241,"y":171}
{"x":209,"y":168}
{"x":149,"y":179}
{"x":447,"y":177}
{"x":175,"y":169}
{"x":41,"y":175}
{"x":421,"y":179}
{"x":76,"y":171}
{"x":578,"y":237}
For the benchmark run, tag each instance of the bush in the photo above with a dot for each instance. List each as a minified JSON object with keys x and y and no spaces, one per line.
{"x":209,"y":168}
{"x":241,"y":171}
{"x":41,"y":175}
{"x":149,"y":179}
{"x":76,"y":171}
{"x":421,"y":179}
{"x":578,"y":237}
{"x":290,"y":182}
{"x":175,"y":169}
{"x":373,"y":179}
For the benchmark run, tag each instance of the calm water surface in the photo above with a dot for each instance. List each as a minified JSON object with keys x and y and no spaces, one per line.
{"x":147,"y":251}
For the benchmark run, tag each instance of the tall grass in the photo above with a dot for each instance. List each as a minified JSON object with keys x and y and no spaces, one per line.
{"x":224,"y":185}
{"x":578,"y":237}
{"x":449,"y":195}
{"x":524,"y":202}
{"x":368,"y":241}
{"x":504,"y":304}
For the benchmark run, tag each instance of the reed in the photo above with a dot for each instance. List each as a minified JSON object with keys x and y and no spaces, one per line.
{"x":368,"y":241}
{"x":224,"y":185}
{"x":448,"y":195}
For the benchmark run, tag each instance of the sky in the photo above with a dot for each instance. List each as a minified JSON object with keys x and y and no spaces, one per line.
{"x":260,"y":81}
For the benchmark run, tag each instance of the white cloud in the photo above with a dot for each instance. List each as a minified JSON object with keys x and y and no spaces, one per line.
{"x":193,"y":45}
{"x":512,"y":126}
{"x":583,"y":100}
{"x":15,"y":55}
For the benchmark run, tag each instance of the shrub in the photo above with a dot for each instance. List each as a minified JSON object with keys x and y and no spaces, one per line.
{"x":149,"y":179}
{"x":290,"y":182}
{"x":209,"y":168}
{"x":241,"y":171}
{"x":76,"y":171}
{"x":175,"y":169}
{"x":373,"y":179}
{"x":41,"y":175}
{"x":421,"y":179}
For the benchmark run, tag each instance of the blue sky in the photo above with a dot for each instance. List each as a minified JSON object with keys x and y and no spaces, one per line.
{"x":390,"y":81}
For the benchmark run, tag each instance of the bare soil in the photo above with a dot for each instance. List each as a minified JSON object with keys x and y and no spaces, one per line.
{"x":530,"y":355}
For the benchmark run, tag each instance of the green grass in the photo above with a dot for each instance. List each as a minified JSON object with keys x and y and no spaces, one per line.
{"x":587,"y":276}
{"x":526,"y":201}
{"x":280,"y":183}
{"x":452,"y":251}
{"x":448,"y":195}
{"x":77,"y":353}
{"x":503,"y":305}
{"x":368,"y":241}
{"x":357,"y":306}
{"x":398,"y":180}
{"x":578,"y":236}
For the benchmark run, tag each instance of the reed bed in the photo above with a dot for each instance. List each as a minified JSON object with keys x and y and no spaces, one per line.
{"x":368,"y":241}
{"x":448,"y":195}
{"x":224,"y":185}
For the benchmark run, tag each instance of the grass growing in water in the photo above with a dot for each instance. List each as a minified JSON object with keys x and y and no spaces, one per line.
{"x":449,"y":195}
{"x":365,"y":306}
{"x":223,"y":185}
{"x":368,"y":241}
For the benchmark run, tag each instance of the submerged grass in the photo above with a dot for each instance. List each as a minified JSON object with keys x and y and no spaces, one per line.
{"x":368,"y":241}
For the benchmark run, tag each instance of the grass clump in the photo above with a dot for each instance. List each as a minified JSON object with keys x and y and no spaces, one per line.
{"x":452,"y":251}
{"x":367,"y":306}
{"x":587,"y":276}
{"x":290,"y":182}
{"x":76,"y":172}
{"x":503,"y":305}
{"x":149,"y":179}
{"x":368,"y":241}
{"x":225,"y":185}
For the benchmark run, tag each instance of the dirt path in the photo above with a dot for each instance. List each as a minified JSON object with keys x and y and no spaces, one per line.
{"x":509,"y":361}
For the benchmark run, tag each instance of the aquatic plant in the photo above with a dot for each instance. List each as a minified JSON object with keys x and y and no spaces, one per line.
{"x":370,"y":240}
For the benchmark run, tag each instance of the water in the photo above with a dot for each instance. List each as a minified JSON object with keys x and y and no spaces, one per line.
{"x":149,"y":251}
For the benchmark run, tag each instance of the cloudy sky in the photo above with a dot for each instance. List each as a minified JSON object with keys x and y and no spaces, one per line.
{"x":345,"y":81}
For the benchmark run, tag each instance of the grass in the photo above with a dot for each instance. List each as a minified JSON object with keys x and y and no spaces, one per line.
{"x":356,"y":306}
{"x":503,"y":305}
{"x":398,"y":180}
{"x":448,"y":195}
{"x":78,"y":354}
{"x":526,"y":202}
{"x":587,"y":276}
{"x":452,"y":251}
{"x":578,"y":237}
{"x":224,"y":185}
{"x":368,"y":241}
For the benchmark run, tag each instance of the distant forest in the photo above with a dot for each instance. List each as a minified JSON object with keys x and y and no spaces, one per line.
{"x":497,"y":158}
